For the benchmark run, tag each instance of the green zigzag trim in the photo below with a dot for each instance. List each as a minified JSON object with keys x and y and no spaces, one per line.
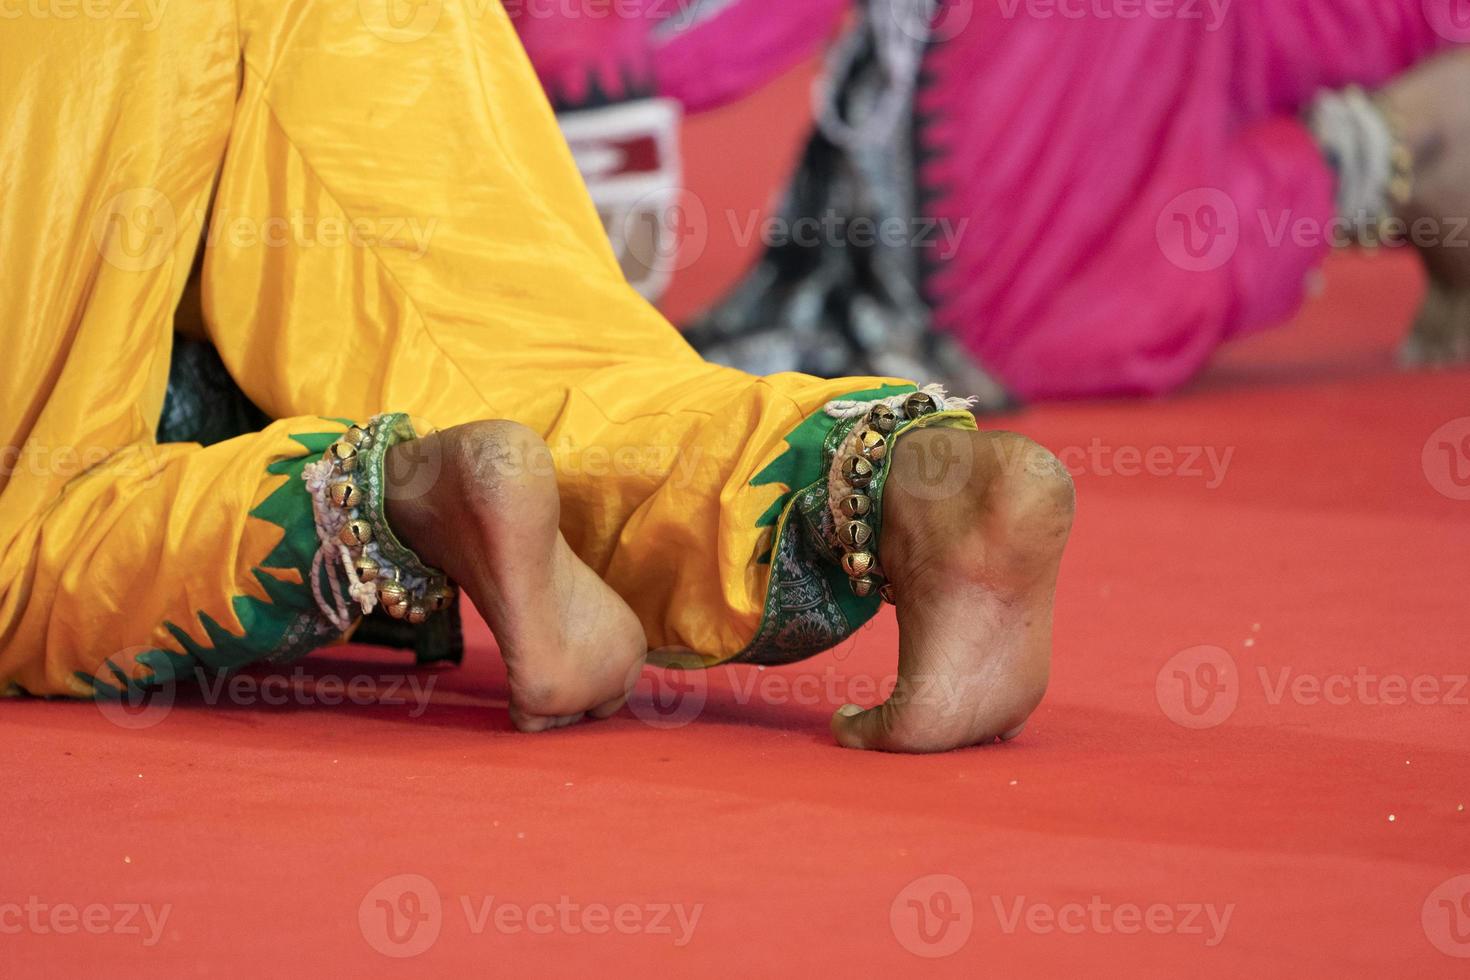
{"x":809,"y":606}
{"x":802,"y":463}
{"x":285,"y":627}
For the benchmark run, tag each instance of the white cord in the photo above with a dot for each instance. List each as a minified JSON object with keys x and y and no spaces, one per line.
{"x":845,"y":409}
{"x":330,"y":519}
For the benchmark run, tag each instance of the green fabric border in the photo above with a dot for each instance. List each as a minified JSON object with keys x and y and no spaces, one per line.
{"x":284,"y":627}
{"x":810,"y":607}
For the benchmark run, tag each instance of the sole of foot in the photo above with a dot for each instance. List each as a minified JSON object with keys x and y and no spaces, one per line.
{"x":480,"y":501}
{"x":974,"y":527}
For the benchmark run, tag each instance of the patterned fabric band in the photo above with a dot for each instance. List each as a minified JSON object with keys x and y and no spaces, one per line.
{"x":360,"y":559}
{"x":812,"y":603}
{"x":1375,"y":167}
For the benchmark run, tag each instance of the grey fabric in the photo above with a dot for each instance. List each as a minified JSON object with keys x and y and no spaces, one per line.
{"x":851,"y":303}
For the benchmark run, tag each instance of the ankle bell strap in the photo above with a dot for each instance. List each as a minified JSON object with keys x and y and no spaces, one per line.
{"x":858,"y":470}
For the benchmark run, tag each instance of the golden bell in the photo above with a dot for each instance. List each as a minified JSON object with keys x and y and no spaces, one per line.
{"x":366,"y":568}
{"x":346,"y":495}
{"x":858,"y":472}
{"x":863,"y":587}
{"x":871,"y":445}
{"x":417,"y":612}
{"x":344,"y":454}
{"x":887,"y":594}
{"x":440,"y":598}
{"x":856,"y":505}
{"x":855,"y":534}
{"x":857,"y":563}
{"x":355,"y":435}
{"x":919,"y":404}
{"x":882,"y":418}
{"x":394,"y":598}
{"x":355,"y":534}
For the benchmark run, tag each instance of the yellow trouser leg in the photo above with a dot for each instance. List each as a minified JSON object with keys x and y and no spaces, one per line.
{"x":400,"y":223}
{"x":114,"y":550}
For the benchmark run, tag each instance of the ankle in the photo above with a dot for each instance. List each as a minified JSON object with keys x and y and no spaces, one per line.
{"x":963,"y":504}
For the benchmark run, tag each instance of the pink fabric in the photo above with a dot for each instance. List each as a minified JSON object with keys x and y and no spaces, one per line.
{"x":636,"y":48}
{"x":579,"y":56}
{"x":740,"y":48}
{"x":1131,"y":192}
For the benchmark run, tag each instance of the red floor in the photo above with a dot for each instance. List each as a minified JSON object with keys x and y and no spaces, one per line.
{"x":1300,"y":549}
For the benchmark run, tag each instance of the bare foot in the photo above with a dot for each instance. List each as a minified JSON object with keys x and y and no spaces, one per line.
{"x":480,"y":501}
{"x":972,"y":550}
{"x":1429,"y":105}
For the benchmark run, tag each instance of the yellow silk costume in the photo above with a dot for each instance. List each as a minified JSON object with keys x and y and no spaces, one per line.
{"x":389,"y":221}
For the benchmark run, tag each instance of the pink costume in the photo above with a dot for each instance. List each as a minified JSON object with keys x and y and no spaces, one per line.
{"x":1127,"y":183}
{"x":1099,"y":162}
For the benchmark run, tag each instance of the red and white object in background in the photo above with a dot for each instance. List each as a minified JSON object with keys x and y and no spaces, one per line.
{"x":628,"y":154}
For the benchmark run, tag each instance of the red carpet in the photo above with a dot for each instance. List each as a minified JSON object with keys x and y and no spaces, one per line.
{"x":1254,"y":758}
